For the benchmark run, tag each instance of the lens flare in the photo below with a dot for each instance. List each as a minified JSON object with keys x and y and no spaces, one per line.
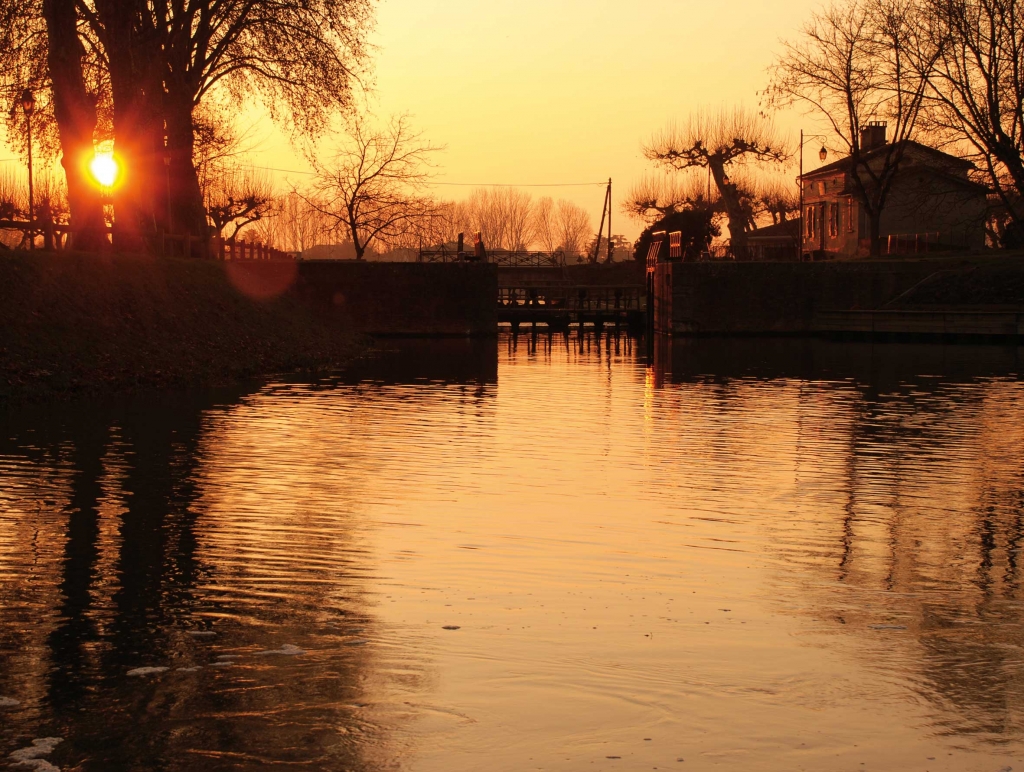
{"x":104,"y":169}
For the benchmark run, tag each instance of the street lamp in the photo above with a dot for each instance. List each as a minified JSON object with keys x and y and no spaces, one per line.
{"x":822,"y":154}
{"x":28,"y":105}
{"x":167,"y":178}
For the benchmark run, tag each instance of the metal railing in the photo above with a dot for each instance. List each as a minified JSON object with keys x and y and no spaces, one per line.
{"x":575,"y":298}
{"x":923,"y":243}
{"x":502,"y":258}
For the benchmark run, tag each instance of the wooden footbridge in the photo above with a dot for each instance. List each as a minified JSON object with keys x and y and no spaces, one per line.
{"x":562,"y":305}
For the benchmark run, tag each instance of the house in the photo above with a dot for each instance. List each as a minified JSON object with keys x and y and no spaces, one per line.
{"x":780,"y":241}
{"x":933,"y":204}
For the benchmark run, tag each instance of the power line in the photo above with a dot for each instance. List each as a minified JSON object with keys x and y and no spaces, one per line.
{"x":468,"y":184}
{"x":521,"y":185}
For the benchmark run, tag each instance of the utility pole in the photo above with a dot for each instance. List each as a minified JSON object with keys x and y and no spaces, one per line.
{"x":605,"y":210}
{"x":611,"y":252}
{"x":28,"y":104}
{"x":800,"y":182}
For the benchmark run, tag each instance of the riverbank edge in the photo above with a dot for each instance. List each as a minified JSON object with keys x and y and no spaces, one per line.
{"x":968,"y":297}
{"x":75,"y":324}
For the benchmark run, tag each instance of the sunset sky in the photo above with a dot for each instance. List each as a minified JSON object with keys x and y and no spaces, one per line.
{"x":557,"y":91}
{"x":542,"y":92}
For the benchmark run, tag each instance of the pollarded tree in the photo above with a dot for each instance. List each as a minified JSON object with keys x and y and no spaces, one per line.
{"x":721,"y":141}
{"x":652,"y":197}
{"x":373,"y":188}
{"x":238,"y":198}
{"x":859,"y":61}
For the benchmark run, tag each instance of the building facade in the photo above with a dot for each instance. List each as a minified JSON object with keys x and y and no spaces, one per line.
{"x":933,"y":204}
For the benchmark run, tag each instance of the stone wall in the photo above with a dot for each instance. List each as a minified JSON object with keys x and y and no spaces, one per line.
{"x":384,"y":298}
{"x":757,"y":298}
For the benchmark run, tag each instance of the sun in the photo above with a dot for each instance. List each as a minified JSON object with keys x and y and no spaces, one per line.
{"x":104,"y":169}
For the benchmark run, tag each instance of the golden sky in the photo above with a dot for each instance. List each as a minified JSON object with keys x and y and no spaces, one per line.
{"x":531,"y":92}
{"x":556,"y":91}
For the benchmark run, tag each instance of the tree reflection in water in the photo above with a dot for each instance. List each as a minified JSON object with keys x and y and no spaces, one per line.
{"x":862,"y":504}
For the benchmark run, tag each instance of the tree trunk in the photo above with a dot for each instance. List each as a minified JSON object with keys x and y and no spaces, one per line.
{"x":137,"y":97}
{"x":76,"y":121}
{"x":733,"y":210}
{"x":874,"y":231}
{"x":188,"y":212}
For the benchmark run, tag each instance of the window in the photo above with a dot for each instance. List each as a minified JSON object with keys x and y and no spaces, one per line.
{"x":810,"y":219}
{"x":675,"y":244}
{"x":833,"y":220}
{"x":849,"y":215}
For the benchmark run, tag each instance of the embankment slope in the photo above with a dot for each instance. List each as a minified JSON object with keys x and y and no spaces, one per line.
{"x":78,"y":323}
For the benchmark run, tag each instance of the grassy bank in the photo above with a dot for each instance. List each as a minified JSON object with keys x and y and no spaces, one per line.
{"x":81,"y":323}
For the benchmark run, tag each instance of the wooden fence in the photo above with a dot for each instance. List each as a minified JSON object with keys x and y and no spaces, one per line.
{"x":54,"y":237}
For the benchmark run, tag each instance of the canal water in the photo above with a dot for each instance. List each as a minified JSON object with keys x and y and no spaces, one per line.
{"x":535,"y":554}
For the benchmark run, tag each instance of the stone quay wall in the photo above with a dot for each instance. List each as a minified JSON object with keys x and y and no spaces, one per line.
{"x":804,"y":298}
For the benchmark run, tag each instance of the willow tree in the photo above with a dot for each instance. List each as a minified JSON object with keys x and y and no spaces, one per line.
{"x":302,"y":59}
{"x":722,"y":142}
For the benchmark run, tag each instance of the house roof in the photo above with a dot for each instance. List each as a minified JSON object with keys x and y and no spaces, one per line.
{"x":789,"y":229}
{"x":844,"y":163}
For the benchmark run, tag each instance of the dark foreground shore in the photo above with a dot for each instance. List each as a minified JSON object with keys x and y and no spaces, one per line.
{"x":73,"y":324}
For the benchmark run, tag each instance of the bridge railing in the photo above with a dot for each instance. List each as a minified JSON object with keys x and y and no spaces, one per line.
{"x":502,"y":258}
{"x":574,"y":298}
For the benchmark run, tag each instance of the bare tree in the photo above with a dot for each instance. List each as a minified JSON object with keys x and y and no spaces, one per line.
{"x":237,"y":198}
{"x":720,"y":141}
{"x":13,"y":196}
{"x":303,"y":226}
{"x":774,"y":198}
{"x":855,"y":62}
{"x":654,"y":197}
{"x":977,"y":95}
{"x":487,"y":216}
{"x":545,"y":228}
{"x":517,"y":210}
{"x":573,"y":226}
{"x":372,"y":190}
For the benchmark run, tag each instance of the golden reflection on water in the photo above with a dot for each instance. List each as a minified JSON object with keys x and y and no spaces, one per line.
{"x":780,"y":555}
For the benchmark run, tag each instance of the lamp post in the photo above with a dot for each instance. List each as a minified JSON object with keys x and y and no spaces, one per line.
{"x":167,"y":178}
{"x":822,"y":154}
{"x":28,"y":105}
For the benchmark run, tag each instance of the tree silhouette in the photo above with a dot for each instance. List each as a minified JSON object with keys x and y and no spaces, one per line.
{"x":371,"y":190}
{"x":855,"y":62}
{"x":721,"y":141}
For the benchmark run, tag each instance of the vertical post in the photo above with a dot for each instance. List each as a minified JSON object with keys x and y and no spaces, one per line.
{"x":800,"y":182}
{"x":167,"y":180}
{"x":611,"y":251}
{"x":28,"y":105}
{"x":600,"y":229}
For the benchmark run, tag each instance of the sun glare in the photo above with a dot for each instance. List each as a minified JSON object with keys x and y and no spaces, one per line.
{"x":104,"y":169}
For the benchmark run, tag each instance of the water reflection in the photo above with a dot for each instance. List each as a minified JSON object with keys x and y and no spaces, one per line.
{"x":771,"y":553}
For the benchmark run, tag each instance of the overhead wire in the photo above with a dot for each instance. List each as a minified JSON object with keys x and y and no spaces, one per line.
{"x":465,"y":184}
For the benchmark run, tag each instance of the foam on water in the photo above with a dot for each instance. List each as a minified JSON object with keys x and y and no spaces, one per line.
{"x":288,"y":650}
{"x":31,"y":755}
{"x":144,"y":671}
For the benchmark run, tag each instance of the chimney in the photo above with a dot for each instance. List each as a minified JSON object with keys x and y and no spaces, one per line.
{"x":872,"y":135}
